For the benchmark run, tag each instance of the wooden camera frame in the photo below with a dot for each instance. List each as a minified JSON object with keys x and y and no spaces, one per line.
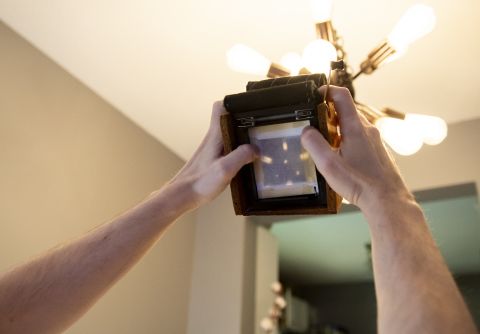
{"x":321,"y":115}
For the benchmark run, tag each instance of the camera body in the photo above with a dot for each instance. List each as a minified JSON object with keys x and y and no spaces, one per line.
{"x":271,"y":115}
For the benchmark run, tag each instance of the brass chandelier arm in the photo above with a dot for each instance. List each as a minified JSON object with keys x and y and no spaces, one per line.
{"x":375,"y":58}
{"x":393,"y":113}
{"x":372,"y":114}
{"x":277,"y":70}
{"x":326,"y":32}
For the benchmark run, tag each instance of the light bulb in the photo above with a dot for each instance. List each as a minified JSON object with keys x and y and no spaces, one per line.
{"x":280,"y":302}
{"x":398,"y":54}
{"x":318,"y":55}
{"x":267,"y":324}
{"x":433,"y":129}
{"x":399,"y":135}
{"x":241,"y":58}
{"x":293,"y":62}
{"x":415,"y":23}
{"x":322,"y":10}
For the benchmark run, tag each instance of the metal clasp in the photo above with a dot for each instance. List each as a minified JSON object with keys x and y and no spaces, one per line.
{"x":303,"y":114}
{"x":246,"y":122}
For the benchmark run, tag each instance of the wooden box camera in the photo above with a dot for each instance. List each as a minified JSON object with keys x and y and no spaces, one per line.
{"x":271,"y":115}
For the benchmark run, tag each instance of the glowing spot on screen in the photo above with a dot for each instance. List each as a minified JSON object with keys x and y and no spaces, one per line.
{"x":304,"y":156}
{"x":266,"y":159}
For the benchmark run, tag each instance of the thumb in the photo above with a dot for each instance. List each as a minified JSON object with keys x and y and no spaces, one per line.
{"x":232,"y":162}
{"x":322,"y":154}
{"x":219,"y":174}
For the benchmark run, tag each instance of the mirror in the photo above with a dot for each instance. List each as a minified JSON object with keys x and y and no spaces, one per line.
{"x":326,"y":263}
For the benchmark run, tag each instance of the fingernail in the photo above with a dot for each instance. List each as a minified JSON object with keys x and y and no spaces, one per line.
{"x":307,"y":128}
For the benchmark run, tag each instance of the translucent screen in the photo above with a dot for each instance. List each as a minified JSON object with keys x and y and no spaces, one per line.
{"x":284,"y":167}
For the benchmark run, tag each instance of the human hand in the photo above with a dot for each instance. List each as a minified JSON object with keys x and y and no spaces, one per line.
{"x":208,"y":172}
{"x":360,"y":169}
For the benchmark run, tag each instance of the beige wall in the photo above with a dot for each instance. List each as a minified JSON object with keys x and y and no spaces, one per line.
{"x":266,"y":272}
{"x":69,"y":162}
{"x":235,"y":262}
{"x":223,"y":271}
{"x":454,"y":161}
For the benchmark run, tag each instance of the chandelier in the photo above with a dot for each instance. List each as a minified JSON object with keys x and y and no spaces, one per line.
{"x":405,"y":133}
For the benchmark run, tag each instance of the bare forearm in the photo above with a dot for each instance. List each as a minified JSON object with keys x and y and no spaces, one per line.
{"x":415,"y":290}
{"x":49,"y":293}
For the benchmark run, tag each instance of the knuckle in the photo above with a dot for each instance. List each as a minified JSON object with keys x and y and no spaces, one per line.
{"x":356,"y":128}
{"x":217,"y":105}
{"x":340,"y":93}
{"x":244,"y":153}
{"x":374,"y":132}
{"x":244,"y":150}
{"x":309,"y":136}
{"x":217,"y":109}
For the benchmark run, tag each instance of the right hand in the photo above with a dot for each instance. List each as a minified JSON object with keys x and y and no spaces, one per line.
{"x":360,"y":169}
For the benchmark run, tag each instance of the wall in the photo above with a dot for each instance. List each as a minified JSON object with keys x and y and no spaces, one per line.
{"x":266,"y":272}
{"x":223,"y":272}
{"x":452,"y":162}
{"x":69,"y":162}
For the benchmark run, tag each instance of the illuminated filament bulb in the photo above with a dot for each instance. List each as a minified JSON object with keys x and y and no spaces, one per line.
{"x":322,"y":10}
{"x":293,"y":62}
{"x":318,"y":55}
{"x":241,"y":58}
{"x":407,"y":136}
{"x":433,"y":129}
{"x":399,"y":136}
{"x":415,"y":23}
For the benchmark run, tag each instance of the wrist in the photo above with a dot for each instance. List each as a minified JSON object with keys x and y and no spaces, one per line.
{"x":386,"y":207}
{"x":175,"y":198}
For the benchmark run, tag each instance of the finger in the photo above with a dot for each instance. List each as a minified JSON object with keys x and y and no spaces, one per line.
{"x":232,"y":162}
{"x":363,"y":119}
{"x":217,"y":110}
{"x":329,"y":164}
{"x":219,"y":174}
{"x":345,"y":107}
{"x":320,"y":151}
{"x":213,"y":137}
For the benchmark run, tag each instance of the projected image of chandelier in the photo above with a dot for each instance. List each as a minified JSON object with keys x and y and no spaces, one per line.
{"x":405,"y":133}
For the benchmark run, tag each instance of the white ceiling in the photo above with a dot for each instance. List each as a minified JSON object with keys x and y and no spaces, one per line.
{"x":162,"y":63}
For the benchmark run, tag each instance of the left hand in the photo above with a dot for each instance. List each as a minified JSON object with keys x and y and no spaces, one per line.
{"x":209,"y":172}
